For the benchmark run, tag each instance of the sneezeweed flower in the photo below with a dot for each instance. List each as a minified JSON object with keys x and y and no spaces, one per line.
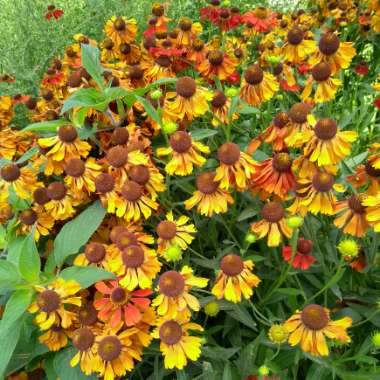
{"x":209,"y":198}
{"x":220,"y":105}
{"x":351,"y":216}
{"x":95,"y":254}
{"x":273,"y":224}
{"x":187,"y":32}
{"x":173,"y":232}
{"x":274,"y":176}
{"x":176,"y":344}
{"x":312,"y":325}
{"x":218,"y":64}
{"x":121,"y":30}
{"x":277,"y":334}
{"x":297,"y":48}
{"x":189,"y":101}
{"x":227,"y":19}
{"x":118,"y":304}
{"x":258,"y":86}
{"x":262,"y":19}
{"x":36,"y":218}
{"x":173,"y":289}
{"x":326,"y":145}
{"x":55,"y":337}
{"x":235,"y":279}
{"x":185,"y":154}
{"x":235,"y":167}
{"x":51,"y":301}
{"x":303,"y":258}
{"x":348,"y":248}
{"x":106,"y":189}
{"x":135,"y":266}
{"x":334,"y":52}
{"x":326,"y":85}
{"x":61,"y":201}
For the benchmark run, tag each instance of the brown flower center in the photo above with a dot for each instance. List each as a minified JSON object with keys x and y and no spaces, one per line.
{"x":231,"y":265}
{"x":158,"y":10}
{"x":314,"y":317}
{"x":166,"y":230}
{"x":56,"y":191}
{"x":238,"y":53}
{"x":282,"y":162}
{"x":215,"y":57}
{"x":104,"y":183}
{"x":281,"y":119}
{"x":47,"y":95}
{"x":219,"y":99}
{"x":31,"y":103}
{"x":109,"y":348}
{"x":371,"y":171}
{"x":163,"y":61}
{"x":40,"y":196}
{"x":125,"y":48}
{"x":355,"y":204}
{"x":224,"y":13}
{"x":321,"y":71}
{"x":272,"y":212}
{"x":51,"y":115}
{"x":117,"y":156}
{"x":304,"y":246}
{"x":120,"y":136}
{"x":186,"y":87}
{"x":261,"y":13}
{"x":326,"y":129}
{"x":171,"y":283}
{"x":118,"y":295}
{"x":180,"y":141}
{"x":94,"y":252}
{"x":108,"y":44}
{"x":170,"y":332}
{"x":133,"y":256}
{"x":277,"y":70}
{"x":198,"y":45}
{"x":28,"y":217}
{"x":229,"y":153}
{"x":206,"y":184}
{"x":87,"y":314}
{"x":119,"y":24}
{"x":139,"y":174}
{"x":83,"y":339}
{"x":122,"y":237}
{"x":131,"y":191}
{"x":295,"y":36}
{"x":10,"y":172}
{"x":298,"y":113}
{"x":185,"y":24}
{"x":254,"y":75}
{"x":67,"y":133}
{"x":329,"y":44}
{"x":135,"y":72}
{"x":48,"y":301}
{"x":75,"y":167}
{"x":323,"y":182}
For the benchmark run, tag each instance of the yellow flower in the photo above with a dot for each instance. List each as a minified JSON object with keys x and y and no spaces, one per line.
{"x":95,"y":254}
{"x":61,"y":202}
{"x":235,"y":279}
{"x":348,"y":248}
{"x":120,"y":29}
{"x":297,"y":48}
{"x":6,"y":110}
{"x":372,"y":204}
{"x":278,"y":334}
{"x":106,"y":189}
{"x":312,"y":325}
{"x":174,"y":297}
{"x":51,"y":301}
{"x":55,"y":338}
{"x":217,"y":64}
{"x":38,"y":217}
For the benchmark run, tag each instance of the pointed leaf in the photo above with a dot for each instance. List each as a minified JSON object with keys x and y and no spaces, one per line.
{"x":86,"y":276}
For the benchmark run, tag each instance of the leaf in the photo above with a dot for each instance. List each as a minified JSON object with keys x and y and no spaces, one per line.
{"x":149,"y":109}
{"x":289,"y":291}
{"x":202,"y":134}
{"x":219,"y":353}
{"x":241,"y":314}
{"x":29,"y":263}
{"x":85,"y":97}
{"x":247,"y":214}
{"x":77,"y":232}
{"x":27,"y":155}
{"x":86,"y":276}
{"x":9,"y":276}
{"x":163,"y":81}
{"x":15,"y":307}
{"x":248,"y":110}
{"x":91,"y":62}
{"x":46,"y":126}
{"x":227,"y":373}
{"x":8,"y":339}
{"x":79,"y":117}
{"x":113,"y":93}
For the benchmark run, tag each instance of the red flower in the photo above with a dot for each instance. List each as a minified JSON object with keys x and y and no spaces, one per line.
{"x":303,"y":68}
{"x":52,"y":79}
{"x":210,"y":13}
{"x":362,"y":68}
{"x":261,"y":19}
{"x":303,"y":258}
{"x":120,"y":304}
{"x":286,"y":87}
{"x":166,"y":52}
{"x":376,"y":103}
{"x":53,"y":12}
{"x":234,"y":78}
{"x":149,"y":32}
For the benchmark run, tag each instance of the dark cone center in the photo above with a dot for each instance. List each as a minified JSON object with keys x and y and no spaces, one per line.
{"x":133,"y":256}
{"x":170,"y":332}
{"x":229,"y":153}
{"x":231,"y":265}
{"x":272,"y":212}
{"x":314,"y":317}
{"x":180,"y":141}
{"x":109,"y":348}
{"x":205,"y":183}
{"x":171,"y":283}
{"x":166,"y":230}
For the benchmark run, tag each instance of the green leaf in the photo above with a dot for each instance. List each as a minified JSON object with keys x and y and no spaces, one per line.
{"x":9,"y":276}
{"x":163,"y":81}
{"x":8,"y":339}
{"x":15,"y":307}
{"x":27,"y":155}
{"x":85,"y":97}
{"x":77,"y":232}
{"x":289,"y":291}
{"x":91,"y":62}
{"x":227,"y":373}
{"x":149,"y":109}
{"x":241,"y":314}
{"x":113,"y":93}
{"x":202,"y":134}
{"x":248,"y":110}
{"x":247,"y":213}
{"x":46,"y":126}
{"x":29,"y":263}
{"x":86,"y":276}
{"x":79,"y":117}
{"x":14,"y":249}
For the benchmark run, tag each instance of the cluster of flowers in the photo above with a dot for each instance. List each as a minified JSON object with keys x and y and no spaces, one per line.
{"x":266,"y":52}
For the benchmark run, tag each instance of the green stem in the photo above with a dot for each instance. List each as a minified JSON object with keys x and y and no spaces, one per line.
{"x":367,"y":319}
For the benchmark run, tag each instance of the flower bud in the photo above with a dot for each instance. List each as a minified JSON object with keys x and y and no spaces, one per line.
{"x":294,"y":221}
{"x":211,"y":309}
{"x":173,"y":253}
{"x":169,"y":127}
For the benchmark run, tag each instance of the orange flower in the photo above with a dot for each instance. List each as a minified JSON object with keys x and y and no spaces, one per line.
{"x":218,"y":64}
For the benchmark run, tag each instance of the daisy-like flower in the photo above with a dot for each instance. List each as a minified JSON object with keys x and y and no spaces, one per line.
{"x":61,"y":202}
{"x":120,"y":29}
{"x":262,"y":19}
{"x":188,"y":32}
{"x":235,"y":167}
{"x":374,"y":158}
{"x":176,"y":344}
{"x":209,"y":198}
{"x":173,"y":232}
{"x":173,"y":293}
{"x":6,"y":111}
{"x":51,"y":301}
{"x":187,"y":102}
{"x":351,"y":216}
{"x":258,"y":86}
{"x":220,"y":106}
{"x":117,"y":304}
{"x":106,"y":188}
{"x":227,"y":19}
{"x":303,"y":257}
{"x":109,"y":52}
{"x":312,"y":325}
{"x":185,"y":154}
{"x":55,"y":337}
{"x":366,"y":175}
{"x":372,"y":204}
{"x":273,"y":224}
{"x":297,"y":48}
{"x":235,"y":279}
{"x":38,"y":217}
{"x":95,"y":254}
{"x":22,"y":180}
{"x":197,"y":52}
{"x":158,"y":68}
{"x":326,"y":85}
{"x":274,"y":176}
{"x":334,"y":52}
{"x":326,"y":145}
{"x":129,"y":53}
{"x":136,"y":266}
{"x":218,"y":64}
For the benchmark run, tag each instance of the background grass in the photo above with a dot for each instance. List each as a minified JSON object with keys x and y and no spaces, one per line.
{"x":28,"y":42}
